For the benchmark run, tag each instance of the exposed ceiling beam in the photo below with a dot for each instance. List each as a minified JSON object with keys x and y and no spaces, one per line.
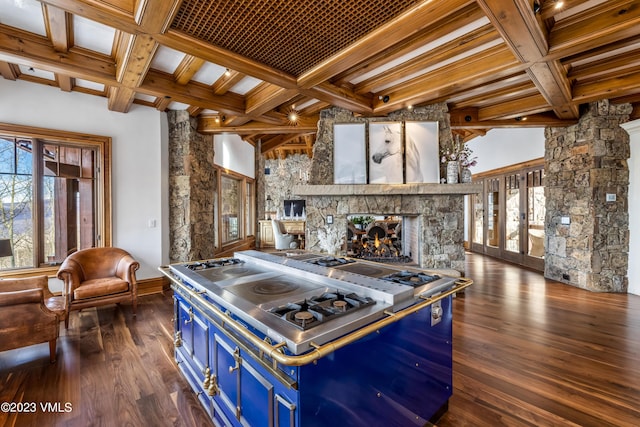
{"x":406,"y":25}
{"x":487,"y":66}
{"x":523,"y":33}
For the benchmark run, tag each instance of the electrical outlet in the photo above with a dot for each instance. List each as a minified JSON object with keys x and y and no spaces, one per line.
{"x":611,"y":197}
{"x":566,"y":277}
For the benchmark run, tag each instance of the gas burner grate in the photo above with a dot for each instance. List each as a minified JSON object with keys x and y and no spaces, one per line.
{"x":213,"y":263}
{"x":330,"y":261}
{"x":411,"y":279}
{"x":319,"y":309}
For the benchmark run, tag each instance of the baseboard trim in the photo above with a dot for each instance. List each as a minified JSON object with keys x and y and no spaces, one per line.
{"x":154,"y":285}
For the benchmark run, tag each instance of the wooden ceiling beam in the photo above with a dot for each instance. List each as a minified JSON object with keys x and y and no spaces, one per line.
{"x":523,"y":106}
{"x":523,"y":33}
{"x":57,"y":23}
{"x":600,"y":25}
{"x":465,"y":120}
{"x":36,"y":51}
{"x":613,"y":87}
{"x":618,"y":64}
{"x":65,"y":83}
{"x":187,"y":68}
{"x":429,"y":34}
{"x":99,"y":11}
{"x":155,"y":16}
{"x":429,"y":59}
{"x":58,"y":28}
{"x":216,"y":55}
{"x":266,"y":97}
{"x":340,"y":97}
{"x":9,"y":71}
{"x":134,"y":61}
{"x":480,"y":68}
{"x":161,"y":84}
{"x":484,"y":96}
{"x":226,"y":82}
{"x":405,"y":26}
{"x":278,"y":142}
{"x":209,"y":125}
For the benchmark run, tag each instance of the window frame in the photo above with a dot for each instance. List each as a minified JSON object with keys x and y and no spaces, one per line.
{"x":102,"y":145}
{"x":245,"y":236}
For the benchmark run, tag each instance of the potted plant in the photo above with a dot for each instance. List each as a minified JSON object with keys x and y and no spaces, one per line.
{"x":357,"y":221}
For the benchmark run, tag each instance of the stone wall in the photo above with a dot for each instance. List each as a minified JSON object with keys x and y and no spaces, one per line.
{"x":440,"y":221}
{"x":584,"y":163}
{"x":283,"y":175}
{"x":192,"y":190}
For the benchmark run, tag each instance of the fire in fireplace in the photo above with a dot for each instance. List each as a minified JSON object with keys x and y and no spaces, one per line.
{"x":378,"y":238}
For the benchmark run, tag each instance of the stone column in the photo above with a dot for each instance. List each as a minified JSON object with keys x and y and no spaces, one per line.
{"x":587,"y":233}
{"x":192,"y":190}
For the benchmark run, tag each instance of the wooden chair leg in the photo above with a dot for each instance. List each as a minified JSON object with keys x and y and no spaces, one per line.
{"x":52,"y":350}
{"x":134,"y":305}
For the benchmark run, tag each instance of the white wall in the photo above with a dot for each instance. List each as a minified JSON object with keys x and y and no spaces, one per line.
{"x":139,"y":159}
{"x":233,"y":153}
{"x":633,"y":273}
{"x":505,"y":147}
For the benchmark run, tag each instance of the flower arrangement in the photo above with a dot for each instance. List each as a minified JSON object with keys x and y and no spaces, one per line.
{"x":458,"y":152}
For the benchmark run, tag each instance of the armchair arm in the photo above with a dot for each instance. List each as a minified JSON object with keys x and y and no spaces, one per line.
{"x":70,"y":272}
{"x":126,"y":269}
{"x":26,"y":296}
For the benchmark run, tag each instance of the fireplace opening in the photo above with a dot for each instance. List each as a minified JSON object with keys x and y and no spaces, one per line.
{"x":382,"y":238}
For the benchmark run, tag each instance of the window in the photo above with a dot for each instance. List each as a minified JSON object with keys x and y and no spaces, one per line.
{"x":53,"y":187}
{"x":237,"y":213}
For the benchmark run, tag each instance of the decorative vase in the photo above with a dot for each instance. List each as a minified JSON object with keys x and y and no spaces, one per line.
{"x":465,"y":175}
{"x":452,"y":172}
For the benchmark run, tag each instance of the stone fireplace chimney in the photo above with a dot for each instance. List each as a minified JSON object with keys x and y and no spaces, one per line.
{"x":437,"y":208}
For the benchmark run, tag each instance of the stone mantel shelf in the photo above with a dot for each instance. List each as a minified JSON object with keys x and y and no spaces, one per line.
{"x":386,"y":189}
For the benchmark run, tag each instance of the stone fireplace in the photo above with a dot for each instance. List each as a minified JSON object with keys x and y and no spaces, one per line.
{"x":437,"y":212}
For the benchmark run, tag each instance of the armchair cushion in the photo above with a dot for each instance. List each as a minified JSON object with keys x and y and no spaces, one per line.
{"x":100,"y":287}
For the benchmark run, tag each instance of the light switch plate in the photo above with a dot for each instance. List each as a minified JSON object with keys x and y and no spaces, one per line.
{"x":565,"y":220}
{"x":611,"y":197}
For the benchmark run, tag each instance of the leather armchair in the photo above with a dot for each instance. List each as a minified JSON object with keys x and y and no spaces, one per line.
{"x":282,"y":239}
{"x":29,"y":314}
{"x":98,"y":276}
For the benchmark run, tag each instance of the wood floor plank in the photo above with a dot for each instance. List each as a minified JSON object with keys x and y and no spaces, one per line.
{"x":526,"y":352}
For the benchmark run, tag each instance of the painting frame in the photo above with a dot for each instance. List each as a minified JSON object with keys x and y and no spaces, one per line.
{"x":422,"y":152}
{"x":386,"y":153}
{"x":349,"y":153}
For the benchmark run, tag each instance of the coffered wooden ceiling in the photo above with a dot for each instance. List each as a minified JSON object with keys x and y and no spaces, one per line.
{"x":246,"y":66}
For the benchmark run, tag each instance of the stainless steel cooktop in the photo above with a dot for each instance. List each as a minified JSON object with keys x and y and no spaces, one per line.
{"x":303,"y":297}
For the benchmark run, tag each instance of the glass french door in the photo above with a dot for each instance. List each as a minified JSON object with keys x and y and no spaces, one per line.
{"x":507,"y":219}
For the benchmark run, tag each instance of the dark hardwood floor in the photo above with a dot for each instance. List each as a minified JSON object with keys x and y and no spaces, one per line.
{"x":527,"y":352}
